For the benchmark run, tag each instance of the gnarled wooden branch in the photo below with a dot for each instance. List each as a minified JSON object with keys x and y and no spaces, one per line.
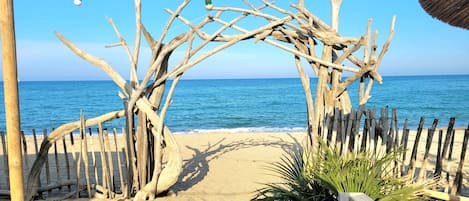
{"x":296,"y":52}
{"x":103,"y":65}
{"x":123,"y":43}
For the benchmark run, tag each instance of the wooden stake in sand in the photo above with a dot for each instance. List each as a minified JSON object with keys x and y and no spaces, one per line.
{"x":423,"y":168}
{"x":5,"y":158}
{"x":10,"y":86}
{"x":456,"y":187}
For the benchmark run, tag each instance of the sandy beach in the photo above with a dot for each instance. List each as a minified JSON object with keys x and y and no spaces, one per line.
{"x":220,"y":166}
{"x":225,"y":166}
{"x":217,"y":166}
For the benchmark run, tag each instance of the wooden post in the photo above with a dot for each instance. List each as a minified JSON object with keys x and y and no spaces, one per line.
{"x":57,"y":165}
{"x":438,"y":165}
{"x":366,"y":126}
{"x":451,"y":145}
{"x":405,"y":138}
{"x":119,"y":162}
{"x":456,"y":188}
{"x":444,"y":151}
{"x":10,"y":86}
{"x":5,"y":157}
{"x":67,"y":162}
{"x":350,"y":132}
{"x":423,"y":167}
{"x":36,"y":149}
{"x":47,"y":161}
{"x":413,"y":156}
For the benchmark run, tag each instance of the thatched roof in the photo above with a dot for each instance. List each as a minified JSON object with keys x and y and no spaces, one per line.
{"x":453,"y":12}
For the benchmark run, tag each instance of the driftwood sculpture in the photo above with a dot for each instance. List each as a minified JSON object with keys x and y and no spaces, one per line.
{"x":297,"y":31}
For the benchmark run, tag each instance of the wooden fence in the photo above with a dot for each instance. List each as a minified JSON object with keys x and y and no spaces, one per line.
{"x":431,"y":153}
{"x":426,"y":156}
{"x":69,"y":173}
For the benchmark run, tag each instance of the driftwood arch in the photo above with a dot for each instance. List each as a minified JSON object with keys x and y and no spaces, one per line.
{"x":295,"y":30}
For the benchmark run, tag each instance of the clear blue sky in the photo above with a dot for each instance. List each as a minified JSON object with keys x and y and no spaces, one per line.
{"x":421,"y":45}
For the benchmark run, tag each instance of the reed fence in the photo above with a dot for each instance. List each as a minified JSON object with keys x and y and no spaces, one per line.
{"x":94,"y":164}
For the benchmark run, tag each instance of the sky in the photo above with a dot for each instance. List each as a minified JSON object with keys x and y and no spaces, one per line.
{"x":421,"y":45}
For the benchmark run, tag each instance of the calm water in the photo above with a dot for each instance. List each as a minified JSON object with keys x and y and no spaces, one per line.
{"x":240,"y":104}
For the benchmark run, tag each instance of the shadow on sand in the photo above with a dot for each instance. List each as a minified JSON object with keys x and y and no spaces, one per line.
{"x":196,"y":168}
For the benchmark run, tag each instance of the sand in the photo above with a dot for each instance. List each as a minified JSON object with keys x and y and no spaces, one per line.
{"x":217,"y":166}
{"x":228,"y":166}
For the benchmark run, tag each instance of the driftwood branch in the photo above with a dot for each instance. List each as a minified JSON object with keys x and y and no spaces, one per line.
{"x":296,"y":52}
{"x":103,"y":65}
{"x":387,"y":43}
{"x":123,"y":43}
{"x":138,"y":35}
{"x":167,"y":49}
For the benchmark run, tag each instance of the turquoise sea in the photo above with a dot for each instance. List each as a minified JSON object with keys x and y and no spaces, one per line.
{"x":240,"y":105}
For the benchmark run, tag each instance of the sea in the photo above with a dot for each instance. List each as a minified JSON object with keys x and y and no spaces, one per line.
{"x":240,"y":105}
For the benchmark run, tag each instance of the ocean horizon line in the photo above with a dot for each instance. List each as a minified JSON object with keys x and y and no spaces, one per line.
{"x":239,"y":78}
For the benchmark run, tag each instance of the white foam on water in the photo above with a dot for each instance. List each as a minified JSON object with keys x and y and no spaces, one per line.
{"x":245,"y":130}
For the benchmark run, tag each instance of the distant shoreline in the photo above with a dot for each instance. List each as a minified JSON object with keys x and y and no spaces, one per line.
{"x":248,"y":78}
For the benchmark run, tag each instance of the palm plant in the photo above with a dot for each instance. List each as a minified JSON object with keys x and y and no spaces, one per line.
{"x":297,"y":185}
{"x":323,"y":175}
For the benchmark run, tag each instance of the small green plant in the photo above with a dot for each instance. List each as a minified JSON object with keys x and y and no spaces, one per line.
{"x":297,"y":185}
{"x":323,"y":175}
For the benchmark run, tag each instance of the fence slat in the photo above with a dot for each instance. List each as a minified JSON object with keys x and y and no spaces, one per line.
{"x":67,"y":162}
{"x":413,"y":156}
{"x":25,"y":151}
{"x":394,"y":131}
{"x":457,"y":184}
{"x":339,"y":130}
{"x":351,"y":133}
{"x":431,"y":131}
{"x":57,"y":165}
{"x":119,"y":162}
{"x":84,"y":154}
{"x":47,"y":162}
{"x":107,"y":148}
{"x":383,"y":124}
{"x":405,"y":138}
{"x":438,"y":163}
{"x":5,"y":158}
{"x":127,"y":162}
{"x":104,"y":162}
{"x":449,"y":133}
{"x":36,"y":151}
{"x":451,"y":145}
{"x":371,"y":138}
{"x":366,"y":126}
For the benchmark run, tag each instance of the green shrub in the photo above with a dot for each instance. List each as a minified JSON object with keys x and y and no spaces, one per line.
{"x":323,"y":175}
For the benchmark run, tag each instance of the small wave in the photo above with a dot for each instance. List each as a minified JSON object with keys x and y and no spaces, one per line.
{"x":245,"y":130}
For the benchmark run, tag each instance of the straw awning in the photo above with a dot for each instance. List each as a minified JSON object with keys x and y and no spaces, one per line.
{"x":453,"y":12}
